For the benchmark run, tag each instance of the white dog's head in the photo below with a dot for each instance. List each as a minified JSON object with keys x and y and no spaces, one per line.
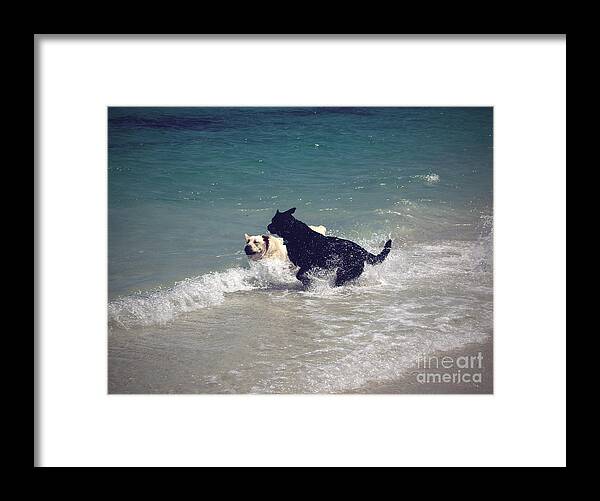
{"x":256,"y":246}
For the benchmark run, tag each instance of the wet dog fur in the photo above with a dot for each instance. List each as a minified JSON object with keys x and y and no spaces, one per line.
{"x":309,"y":250}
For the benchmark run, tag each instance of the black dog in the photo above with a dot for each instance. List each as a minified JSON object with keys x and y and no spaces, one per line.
{"x":308,"y":249}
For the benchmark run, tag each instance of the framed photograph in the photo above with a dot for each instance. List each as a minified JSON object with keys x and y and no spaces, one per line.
{"x":300,"y":250}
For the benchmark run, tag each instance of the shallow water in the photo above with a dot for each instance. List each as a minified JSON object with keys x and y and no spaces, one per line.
{"x":188,"y":313}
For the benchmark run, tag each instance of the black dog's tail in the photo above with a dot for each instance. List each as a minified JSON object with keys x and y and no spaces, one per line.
{"x":376,"y":259}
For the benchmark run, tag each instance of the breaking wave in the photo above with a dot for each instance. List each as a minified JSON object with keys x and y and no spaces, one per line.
{"x":162,"y":305}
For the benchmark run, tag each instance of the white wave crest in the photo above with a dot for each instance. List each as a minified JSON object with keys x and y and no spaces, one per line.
{"x":160,"y":306}
{"x":431,"y":178}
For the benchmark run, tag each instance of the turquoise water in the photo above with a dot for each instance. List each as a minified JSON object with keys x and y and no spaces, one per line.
{"x":185,"y":184}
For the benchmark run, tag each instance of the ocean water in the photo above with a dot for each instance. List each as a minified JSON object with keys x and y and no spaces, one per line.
{"x":187,"y":313}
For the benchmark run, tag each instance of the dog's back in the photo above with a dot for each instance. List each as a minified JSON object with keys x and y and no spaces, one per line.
{"x":308,"y":249}
{"x":312,"y":249}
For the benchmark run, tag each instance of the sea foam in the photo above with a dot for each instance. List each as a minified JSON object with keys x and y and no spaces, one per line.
{"x":430,"y":178}
{"x":162,"y":305}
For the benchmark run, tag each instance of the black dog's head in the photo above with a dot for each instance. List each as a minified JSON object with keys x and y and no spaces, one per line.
{"x":282,"y":223}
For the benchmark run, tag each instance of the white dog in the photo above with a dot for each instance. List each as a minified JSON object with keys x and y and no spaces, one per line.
{"x":269,"y":246}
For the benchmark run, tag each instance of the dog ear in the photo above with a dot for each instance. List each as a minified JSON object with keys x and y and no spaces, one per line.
{"x":277,"y":212}
{"x":246,"y":236}
{"x":290,"y":211}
